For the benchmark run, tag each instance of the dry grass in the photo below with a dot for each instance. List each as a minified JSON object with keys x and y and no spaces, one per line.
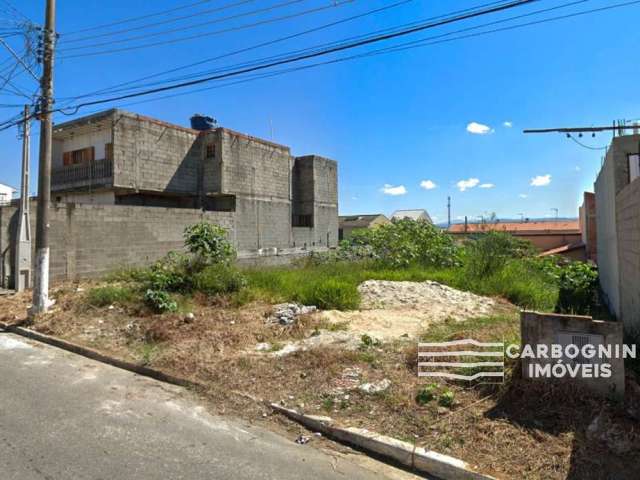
{"x":523,"y":430}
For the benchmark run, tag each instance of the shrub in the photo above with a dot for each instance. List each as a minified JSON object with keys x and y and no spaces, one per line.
{"x":219,"y":279}
{"x":160,"y":301}
{"x":489,"y":252}
{"x":170,"y":273}
{"x":208,"y":243}
{"x":578,"y":282}
{"x":426,"y":394}
{"x":108,"y":295}
{"x":330,"y":293}
{"x":402,"y":243}
{"x":447,"y":398}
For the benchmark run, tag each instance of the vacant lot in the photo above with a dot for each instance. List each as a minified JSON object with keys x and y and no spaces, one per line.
{"x":358,"y":367}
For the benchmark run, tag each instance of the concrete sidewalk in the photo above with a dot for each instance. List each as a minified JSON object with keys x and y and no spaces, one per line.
{"x":65,"y":417}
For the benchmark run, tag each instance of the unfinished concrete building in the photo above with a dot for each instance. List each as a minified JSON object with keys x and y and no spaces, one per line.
{"x":125,"y":186}
{"x":617,"y":197}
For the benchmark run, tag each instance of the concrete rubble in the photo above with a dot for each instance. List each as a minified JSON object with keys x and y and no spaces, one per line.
{"x":375,"y":387}
{"x":288,"y":313}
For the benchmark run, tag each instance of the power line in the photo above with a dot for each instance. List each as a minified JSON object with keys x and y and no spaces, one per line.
{"x":344,"y":41}
{"x":394,"y":29}
{"x":379,"y":38}
{"x":151,"y":25}
{"x":250,"y":48}
{"x":414,"y":44}
{"x":206,"y":34}
{"x":189,"y":27}
{"x":135,"y":19}
{"x":586,"y":146}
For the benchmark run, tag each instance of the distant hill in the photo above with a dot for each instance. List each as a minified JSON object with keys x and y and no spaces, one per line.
{"x":510,"y":220}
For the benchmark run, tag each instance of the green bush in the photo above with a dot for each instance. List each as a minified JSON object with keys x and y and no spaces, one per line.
{"x":171,"y":273}
{"x":219,"y":279}
{"x":578,"y":282}
{"x":426,"y":394}
{"x":108,"y":295}
{"x":160,"y":301}
{"x":403,"y":243}
{"x":447,"y":399}
{"x":208,"y":243}
{"x":330,"y":293}
{"x":488,"y":253}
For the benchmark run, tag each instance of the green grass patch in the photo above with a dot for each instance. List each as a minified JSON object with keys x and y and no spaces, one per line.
{"x":334,"y":285}
{"x":109,"y":295}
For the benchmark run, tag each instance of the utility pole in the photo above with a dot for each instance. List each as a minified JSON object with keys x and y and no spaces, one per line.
{"x":22,"y":267}
{"x":555,"y":210}
{"x":448,"y":211}
{"x":521,"y":217}
{"x":41,"y":302}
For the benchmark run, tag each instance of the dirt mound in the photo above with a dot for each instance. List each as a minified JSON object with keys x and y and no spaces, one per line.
{"x":440,"y":300}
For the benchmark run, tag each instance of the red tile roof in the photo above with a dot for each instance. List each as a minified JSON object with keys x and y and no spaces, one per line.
{"x":560,"y":227}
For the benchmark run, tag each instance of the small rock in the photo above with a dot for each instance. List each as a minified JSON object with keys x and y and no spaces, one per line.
{"x":264,"y":346}
{"x":302,"y":439}
{"x":375,"y":387}
{"x":189,"y":317}
{"x":111,"y":307}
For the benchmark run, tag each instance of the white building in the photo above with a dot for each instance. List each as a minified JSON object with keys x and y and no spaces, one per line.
{"x":417,"y":214}
{"x":6,"y":193}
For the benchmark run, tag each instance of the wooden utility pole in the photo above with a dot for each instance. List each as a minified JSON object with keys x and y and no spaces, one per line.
{"x":448,"y":211}
{"x":22,"y":266}
{"x":41,"y":302}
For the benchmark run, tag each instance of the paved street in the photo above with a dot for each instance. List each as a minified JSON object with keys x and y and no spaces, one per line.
{"x":65,"y":417}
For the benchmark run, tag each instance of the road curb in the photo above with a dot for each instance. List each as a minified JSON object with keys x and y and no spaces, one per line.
{"x":100,"y":357}
{"x":415,"y":458}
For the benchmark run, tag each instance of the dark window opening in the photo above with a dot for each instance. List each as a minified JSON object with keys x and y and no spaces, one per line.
{"x":211,"y":150}
{"x":302,"y":221}
{"x":220,"y":203}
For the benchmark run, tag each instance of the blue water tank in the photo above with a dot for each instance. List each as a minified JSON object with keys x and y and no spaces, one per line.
{"x":202,"y":122}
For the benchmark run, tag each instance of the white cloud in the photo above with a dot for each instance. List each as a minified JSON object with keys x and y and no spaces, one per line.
{"x":466,"y":184}
{"x":540,"y":180}
{"x":427,"y":184}
{"x":393,"y":190}
{"x":507,"y":124}
{"x":486,"y":185}
{"x":354,"y":198}
{"x":460,"y":217}
{"x":523,"y":195}
{"x":478,"y":128}
{"x":578,"y":168}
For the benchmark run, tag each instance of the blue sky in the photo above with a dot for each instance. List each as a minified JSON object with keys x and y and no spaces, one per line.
{"x":395,"y":120}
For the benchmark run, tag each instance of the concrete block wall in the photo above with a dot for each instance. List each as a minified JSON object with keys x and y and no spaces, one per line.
{"x":150,"y":155}
{"x":628,"y":233}
{"x":607,"y":240}
{"x":254,"y":167}
{"x":92,"y":240}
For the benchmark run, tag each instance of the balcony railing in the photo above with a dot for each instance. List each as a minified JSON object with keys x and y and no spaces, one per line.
{"x":96,"y":172}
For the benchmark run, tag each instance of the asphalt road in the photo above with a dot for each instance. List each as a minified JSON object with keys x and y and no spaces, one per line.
{"x":65,"y":417}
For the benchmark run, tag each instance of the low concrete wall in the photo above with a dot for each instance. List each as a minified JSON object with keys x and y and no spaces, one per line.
{"x":554,"y":329}
{"x":92,"y":240}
